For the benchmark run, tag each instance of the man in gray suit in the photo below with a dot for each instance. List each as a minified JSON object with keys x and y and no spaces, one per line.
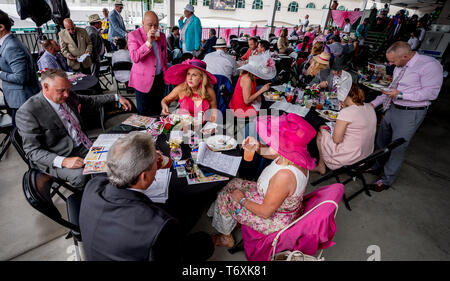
{"x":51,"y":127}
{"x":17,"y":69}
{"x":97,"y":43}
{"x":327,"y":78}
{"x":117,"y":27}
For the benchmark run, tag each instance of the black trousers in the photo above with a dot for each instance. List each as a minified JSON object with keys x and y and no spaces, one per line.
{"x":149,"y":104}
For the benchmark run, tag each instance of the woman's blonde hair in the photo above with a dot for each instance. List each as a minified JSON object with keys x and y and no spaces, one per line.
{"x":317,"y":49}
{"x":250,"y":75}
{"x":285,"y":161}
{"x":203,"y":89}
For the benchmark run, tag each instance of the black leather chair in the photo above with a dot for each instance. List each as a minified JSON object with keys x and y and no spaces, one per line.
{"x":16,"y":140}
{"x":38,"y":189}
{"x":357,"y":170}
{"x":118,"y":66}
{"x":105,"y":70}
{"x":109,"y":110}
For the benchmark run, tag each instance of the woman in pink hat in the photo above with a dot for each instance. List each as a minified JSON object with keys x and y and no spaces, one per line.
{"x":194,"y":90}
{"x":276,"y":199}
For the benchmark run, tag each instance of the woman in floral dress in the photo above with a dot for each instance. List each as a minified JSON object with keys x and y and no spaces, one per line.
{"x":275,"y":200}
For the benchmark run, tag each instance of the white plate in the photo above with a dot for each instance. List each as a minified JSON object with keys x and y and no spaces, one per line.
{"x":221,"y":143}
{"x":269,"y":97}
{"x":323,"y":115}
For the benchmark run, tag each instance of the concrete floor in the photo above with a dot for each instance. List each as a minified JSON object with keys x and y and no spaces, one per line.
{"x":410,"y":221}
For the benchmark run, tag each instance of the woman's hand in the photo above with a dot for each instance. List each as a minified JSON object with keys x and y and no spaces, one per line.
{"x":237,"y":195}
{"x":251,"y":143}
{"x":165,"y":109}
{"x":265,"y":88}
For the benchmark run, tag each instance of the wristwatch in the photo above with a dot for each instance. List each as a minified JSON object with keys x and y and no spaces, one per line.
{"x":400,"y":96}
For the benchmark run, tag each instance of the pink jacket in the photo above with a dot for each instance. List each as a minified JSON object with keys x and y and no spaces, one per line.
{"x":144,"y":60}
{"x":315,"y":231}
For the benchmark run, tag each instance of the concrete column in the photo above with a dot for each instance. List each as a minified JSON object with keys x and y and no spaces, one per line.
{"x":363,"y":5}
{"x":271,"y":18}
{"x":170,"y":8}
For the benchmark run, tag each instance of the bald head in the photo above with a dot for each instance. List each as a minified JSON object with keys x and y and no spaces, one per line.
{"x":399,"y":53}
{"x":150,"y":21}
{"x":69,"y":25}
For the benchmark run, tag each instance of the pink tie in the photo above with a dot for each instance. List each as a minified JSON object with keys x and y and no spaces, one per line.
{"x":83,"y":138}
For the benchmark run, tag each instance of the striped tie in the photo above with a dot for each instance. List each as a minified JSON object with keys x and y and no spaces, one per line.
{"x":394,"y":85}
{"x":83,"y":138}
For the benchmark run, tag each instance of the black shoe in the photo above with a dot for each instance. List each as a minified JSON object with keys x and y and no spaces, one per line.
{"x":378,"y":186}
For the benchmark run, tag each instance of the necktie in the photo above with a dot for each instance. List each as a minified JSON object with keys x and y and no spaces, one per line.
{"x":83,"y":138}
{"x":394,"y":85}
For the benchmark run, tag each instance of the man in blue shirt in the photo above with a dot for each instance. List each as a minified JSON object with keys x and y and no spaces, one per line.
{"x":362,"y":31}
{"x":52,"y":57}
{"x":117,"y":27}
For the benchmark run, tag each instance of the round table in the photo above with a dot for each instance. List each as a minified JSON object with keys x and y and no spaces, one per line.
{"x":84,"y":83}
{"x":186,"y":202}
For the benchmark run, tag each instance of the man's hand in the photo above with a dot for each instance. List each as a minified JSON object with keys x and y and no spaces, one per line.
{"x":72,"y":58}
{"x":150,"y":35}
{"x":392,"y":93}
{"x":126,"y":105}
{"x":87,"y":52}
{"x":323,"y":84}
{"x":182,"y":18}
{"x":72,"y":163}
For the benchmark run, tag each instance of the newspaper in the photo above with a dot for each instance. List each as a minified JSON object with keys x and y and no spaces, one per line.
{"x":95,"y":160}
{"x":218,"y":161}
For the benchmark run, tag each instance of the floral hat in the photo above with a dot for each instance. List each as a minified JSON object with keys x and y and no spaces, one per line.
{"x":262,"y":66}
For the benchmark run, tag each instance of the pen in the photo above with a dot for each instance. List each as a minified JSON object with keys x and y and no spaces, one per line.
{"x":103,"y":151}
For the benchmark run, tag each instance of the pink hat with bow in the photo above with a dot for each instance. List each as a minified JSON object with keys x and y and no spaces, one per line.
{"x":289,"y":136}
{"x":176,"y":74}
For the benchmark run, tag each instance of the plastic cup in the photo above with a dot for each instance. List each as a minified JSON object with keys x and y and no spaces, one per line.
{"x":289,"y":97}
{"x":319,"y":106}
{"x":248,"y":155}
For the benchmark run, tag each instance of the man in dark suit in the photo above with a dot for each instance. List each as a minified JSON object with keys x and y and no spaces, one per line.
{"x":397,"y":31}
{"x":17,"y":69}
{"x":119,"y":222}
{"x":98,"y":49}
{"x":51,"y":127}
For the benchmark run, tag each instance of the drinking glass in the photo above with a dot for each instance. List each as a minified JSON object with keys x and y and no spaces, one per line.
{"x":176,"y":154}
{"x":194,"y":141}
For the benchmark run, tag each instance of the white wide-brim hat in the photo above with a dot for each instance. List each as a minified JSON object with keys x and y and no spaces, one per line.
{"x":221,"y":43}
{"x":262,"y":66}
{"x":344,"y":86}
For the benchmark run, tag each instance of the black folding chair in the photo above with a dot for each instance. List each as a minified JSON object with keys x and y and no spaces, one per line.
{"x":357,"y":170}
{"x":38,"y":189}
{"x":105,"y":70}
{"x":109,"y":110}
{"x":121,"y":66}
{"x":5,"y":127}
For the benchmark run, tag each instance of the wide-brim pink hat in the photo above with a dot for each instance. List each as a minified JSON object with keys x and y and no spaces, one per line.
{"x":176,"y":74}
{"x":289,"y":136}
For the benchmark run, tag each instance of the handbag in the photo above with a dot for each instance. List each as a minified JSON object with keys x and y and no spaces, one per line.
{"x":296,"y":256}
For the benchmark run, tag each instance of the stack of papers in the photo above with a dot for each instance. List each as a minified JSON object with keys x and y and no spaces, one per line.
{"x":95,"y":160}
{"x":218,"y":161}
{"x":82,"y":57}
{"x":158,"y":191}
{"x":290,"y":108}
{"x":139,"y":121}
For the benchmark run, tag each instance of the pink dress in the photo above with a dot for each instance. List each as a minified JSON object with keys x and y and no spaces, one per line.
{"x":358,"y":138}
{"x":187,"y":105}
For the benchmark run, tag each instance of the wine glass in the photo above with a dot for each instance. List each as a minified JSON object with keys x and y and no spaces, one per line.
{"x":176,"y":154}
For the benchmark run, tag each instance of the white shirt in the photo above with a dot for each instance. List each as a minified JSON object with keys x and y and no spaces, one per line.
{"x":347,"y":28}
{"x":72,"y":132}
{"x":119,"y":56}
{"x":305,"y":25}
{"x":220,"y":63}
{"x":414,"y":43}
{"x":422,"y":34}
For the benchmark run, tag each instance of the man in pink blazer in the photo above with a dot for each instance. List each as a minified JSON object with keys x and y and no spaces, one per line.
{"x":148,"y":51}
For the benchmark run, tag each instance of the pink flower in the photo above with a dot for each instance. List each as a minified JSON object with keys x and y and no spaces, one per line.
{"x":270,"y":62}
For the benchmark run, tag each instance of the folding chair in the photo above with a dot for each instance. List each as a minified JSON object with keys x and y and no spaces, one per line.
{"x":105,"y":70}
{"x":38,"y":189}
{"x":5,"y":127}
{"x":121,"y":66}
{"x":357,"y":170}
{"x":312,"y":231}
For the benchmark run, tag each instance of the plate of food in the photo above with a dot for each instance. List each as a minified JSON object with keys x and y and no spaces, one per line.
{"x":329,"y":114}
{"x":331,"y":95}
{"x":376,"y":87}
{"x":221,"y":143}
{"x":183,"y":118}
{"x":273,"y":96}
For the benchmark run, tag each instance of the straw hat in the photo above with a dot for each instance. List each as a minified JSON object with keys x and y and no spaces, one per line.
{"x":323,"y":58}
{"x":221,"y":43}
{"x":176,"y":74}
{"x":289,"y":136}
{"x":262,"y":66}
{"x":118,"y":3}
{"x":94,"y":18}
{"x":189,"y":8}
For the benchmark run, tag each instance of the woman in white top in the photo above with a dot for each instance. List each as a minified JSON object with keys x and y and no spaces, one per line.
{"x":347,"y":27}
{"x":275,"y":200}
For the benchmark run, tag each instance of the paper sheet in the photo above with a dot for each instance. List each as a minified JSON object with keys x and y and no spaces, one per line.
{"x":217,"y":160}
{"x":82,"y":57}
{"x":290,"y":108}
{"x":95,"y":160}
{"x":158,"y":191}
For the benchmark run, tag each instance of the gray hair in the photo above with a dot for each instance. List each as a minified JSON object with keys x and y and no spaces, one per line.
{"x":128,"y":157}
{"x":399,"y":47}
{"x":52,"y":74}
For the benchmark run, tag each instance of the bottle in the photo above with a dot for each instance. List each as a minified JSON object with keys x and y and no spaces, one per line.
{"x":288,"y":88}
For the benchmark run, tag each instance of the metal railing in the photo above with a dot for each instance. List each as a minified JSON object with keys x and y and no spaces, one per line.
{"x":31,"y":39}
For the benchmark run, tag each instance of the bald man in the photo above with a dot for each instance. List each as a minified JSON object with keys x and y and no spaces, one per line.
{"x":148,"y":51}
{"x":75,"y":42}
